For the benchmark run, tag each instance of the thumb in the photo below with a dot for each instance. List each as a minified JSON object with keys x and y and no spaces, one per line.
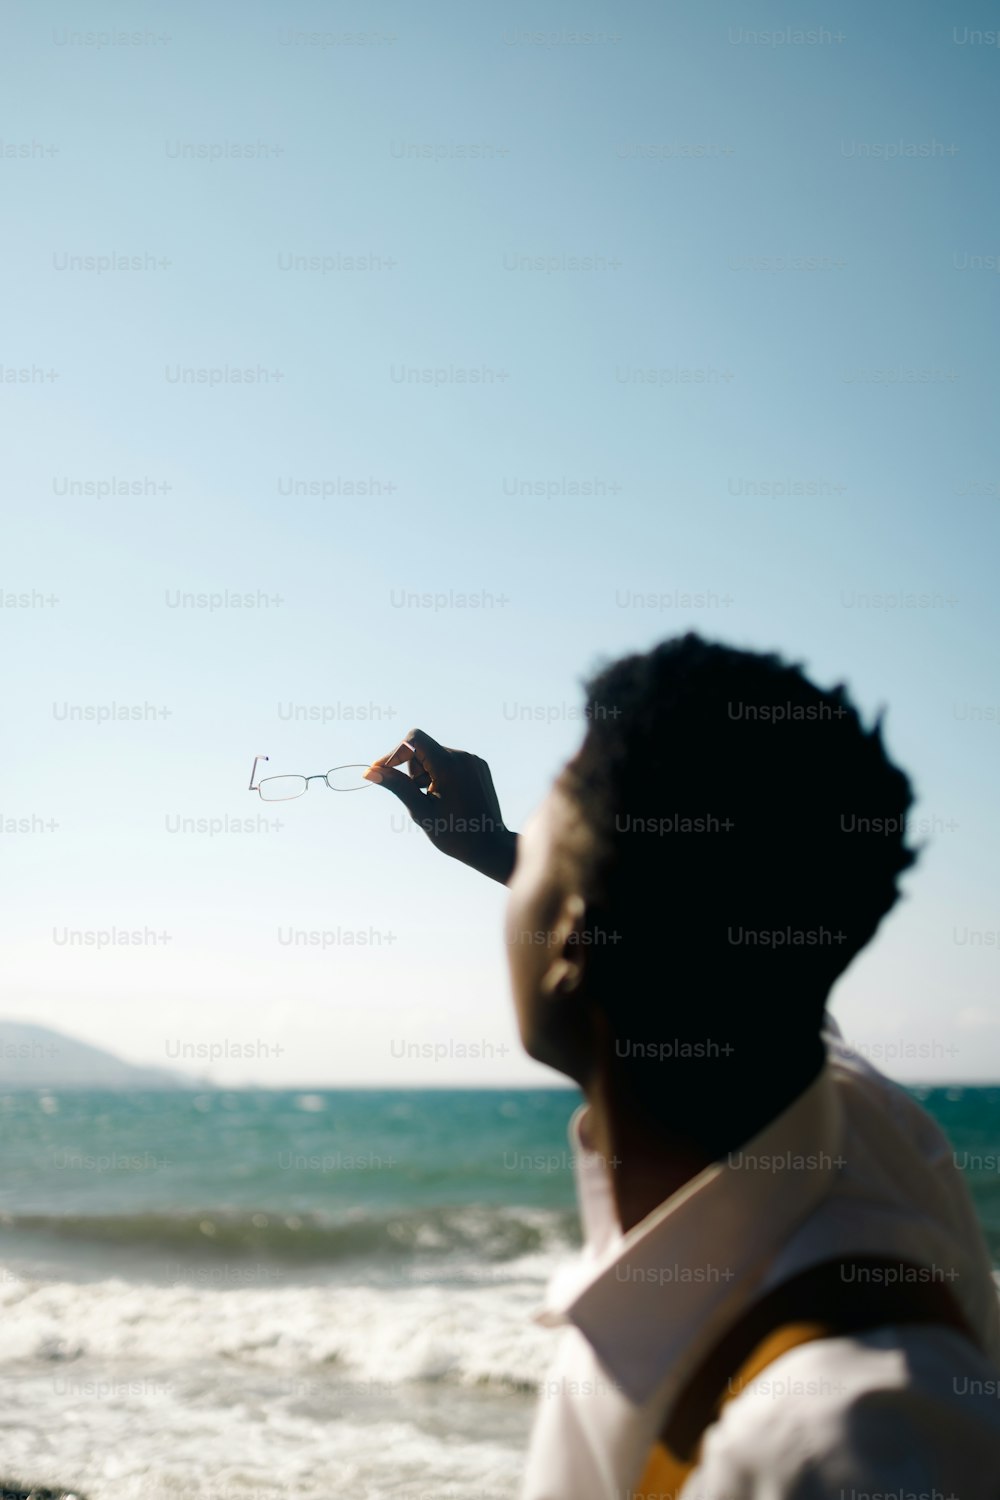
{"x":402,"y":786}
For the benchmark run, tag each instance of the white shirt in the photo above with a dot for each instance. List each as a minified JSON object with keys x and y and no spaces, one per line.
{"x":853,"y":1167}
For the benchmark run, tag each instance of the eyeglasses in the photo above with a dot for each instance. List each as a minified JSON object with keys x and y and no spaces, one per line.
{"x":284,"y":788}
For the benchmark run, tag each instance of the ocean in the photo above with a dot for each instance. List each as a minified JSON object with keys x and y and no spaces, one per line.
{"x":262,"y":1294}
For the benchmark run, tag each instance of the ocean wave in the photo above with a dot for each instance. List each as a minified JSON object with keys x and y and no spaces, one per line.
{"x":494,"y":1234}
{"x":473,"y":1335}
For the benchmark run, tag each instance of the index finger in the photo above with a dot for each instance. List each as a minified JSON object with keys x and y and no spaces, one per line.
{"x":418,"y":746}
{"x":403,"y":752}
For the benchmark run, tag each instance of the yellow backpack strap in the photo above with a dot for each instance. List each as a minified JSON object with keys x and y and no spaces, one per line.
{"x":838,"y":1297}
{"x":665,"y":1473}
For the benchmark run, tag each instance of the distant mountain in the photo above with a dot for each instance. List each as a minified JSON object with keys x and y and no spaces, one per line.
{"x":34,"y":1057}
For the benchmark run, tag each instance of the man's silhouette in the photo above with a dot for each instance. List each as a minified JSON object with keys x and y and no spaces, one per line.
{"x":783,"y":1289}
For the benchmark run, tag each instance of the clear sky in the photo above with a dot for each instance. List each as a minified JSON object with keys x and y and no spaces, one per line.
{"x":658,"y":260}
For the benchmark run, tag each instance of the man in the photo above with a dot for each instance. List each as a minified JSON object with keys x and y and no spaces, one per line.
{"x":783,"y":1290}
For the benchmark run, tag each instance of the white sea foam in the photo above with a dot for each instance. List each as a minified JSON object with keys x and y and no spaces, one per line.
{"x":469,"y":1333}
{"x":233,"y":1440}
{"x":146,"y":1392}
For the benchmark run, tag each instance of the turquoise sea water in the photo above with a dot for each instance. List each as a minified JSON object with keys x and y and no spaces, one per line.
{"x":316,"y":1179}
{"x":305,"y":1181}
{"x":247,"y":1294}
{"x":970,"y":1117}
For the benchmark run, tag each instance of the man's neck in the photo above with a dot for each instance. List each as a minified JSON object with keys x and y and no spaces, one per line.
{"x":650,"y":1161}
{"x":644,"y":1170}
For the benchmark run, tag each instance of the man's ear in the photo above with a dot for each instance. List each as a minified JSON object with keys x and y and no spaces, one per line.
{"x":565,"y":970}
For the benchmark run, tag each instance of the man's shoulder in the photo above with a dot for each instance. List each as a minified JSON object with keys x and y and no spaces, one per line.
{"x":857,"y":1072}
{"x":855,"y":1414}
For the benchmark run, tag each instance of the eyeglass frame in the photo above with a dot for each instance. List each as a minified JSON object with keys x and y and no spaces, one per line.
{"x":319,"y":776}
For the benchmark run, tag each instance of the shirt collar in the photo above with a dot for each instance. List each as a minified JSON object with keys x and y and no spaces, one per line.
{"x":652,"y":1301}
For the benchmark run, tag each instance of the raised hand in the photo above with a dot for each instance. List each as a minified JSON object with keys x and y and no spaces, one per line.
{"x":450,"y":794}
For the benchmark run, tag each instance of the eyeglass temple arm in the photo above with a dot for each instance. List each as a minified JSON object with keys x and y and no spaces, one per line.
{"x":253,"y":773}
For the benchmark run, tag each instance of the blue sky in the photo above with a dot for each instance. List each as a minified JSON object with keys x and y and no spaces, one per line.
{"x":692,"y":257}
